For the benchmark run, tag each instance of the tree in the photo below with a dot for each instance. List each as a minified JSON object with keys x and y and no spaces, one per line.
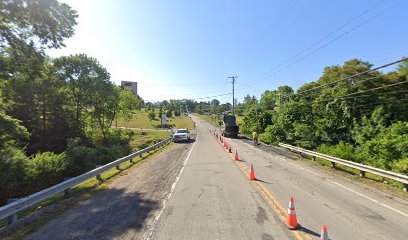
{"x":45,"y":23}
{"x":128,"y":104}
{"x":105,"y":105}
{"x":12,"y":159}
{"x":151,"y":116}
{"x":84,"y":76}
{"x":268,"y":100}
{"x":215,"y":102}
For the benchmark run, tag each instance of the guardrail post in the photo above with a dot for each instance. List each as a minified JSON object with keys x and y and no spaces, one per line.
{"x":67,"y":191}
{"x":333,"y":164}
{"x":118,"y":167}
{"x":13,"y":218}
{"x":405,"y":187}
{"x":99,"y":178}
{"x":313,"y":158}
{"x":362,"y":173}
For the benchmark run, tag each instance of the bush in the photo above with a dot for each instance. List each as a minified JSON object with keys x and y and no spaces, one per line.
{"x":46,"y":169}
{"x":341,"y":150}
{"x":82,"y":159}
{"x":267,"y":138}
{"x":400,"y":166}
{"x":387,"y":147}
{"x":13,"y":165}
{"x":151,"y":116}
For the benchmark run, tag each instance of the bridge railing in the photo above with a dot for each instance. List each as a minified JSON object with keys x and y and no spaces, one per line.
{"x":10,"y":210}
{"x":363,"y":168}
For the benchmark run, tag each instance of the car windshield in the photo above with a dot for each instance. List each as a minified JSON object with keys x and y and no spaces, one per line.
{"x":182,"y":131}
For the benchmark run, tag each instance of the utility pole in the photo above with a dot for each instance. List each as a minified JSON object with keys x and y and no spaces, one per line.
{"x":233,"y":93}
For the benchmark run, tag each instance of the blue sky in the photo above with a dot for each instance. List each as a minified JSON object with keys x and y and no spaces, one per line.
{"x":187,"y":49}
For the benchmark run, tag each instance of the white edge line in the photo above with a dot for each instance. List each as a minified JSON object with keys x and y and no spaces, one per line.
{"x":371,"y":199}
{"x":351,"y":190}
{"x":173,"y":186}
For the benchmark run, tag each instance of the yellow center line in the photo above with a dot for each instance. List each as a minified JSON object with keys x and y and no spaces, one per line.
{"x":270,"y":199}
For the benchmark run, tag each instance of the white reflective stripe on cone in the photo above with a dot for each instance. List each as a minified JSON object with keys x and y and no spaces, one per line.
{"x":291,"y":212}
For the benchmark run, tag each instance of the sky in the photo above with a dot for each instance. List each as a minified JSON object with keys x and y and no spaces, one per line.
{"x":179,"y":49}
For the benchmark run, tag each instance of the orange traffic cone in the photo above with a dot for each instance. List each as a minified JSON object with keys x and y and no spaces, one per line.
{"x":291,"y":218}
{"x":324,"y":235}
{"x":236,"y":155}
{"x":252,"y":173}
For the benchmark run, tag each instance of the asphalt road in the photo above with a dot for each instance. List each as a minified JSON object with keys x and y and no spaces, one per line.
{"x":350,"y":210}
{"x":197,"y":191}
{"x":214,"y":200}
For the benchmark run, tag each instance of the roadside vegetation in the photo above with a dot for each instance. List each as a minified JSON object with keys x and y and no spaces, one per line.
{"x":56,"y":114}
{"x":150,"y":119}
{"x":364,"y":119}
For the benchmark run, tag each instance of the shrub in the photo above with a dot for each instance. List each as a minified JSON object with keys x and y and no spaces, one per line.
{"x":400,"y":166}
{"x":46,"y":169}
{"x":387,"y":147}
{"x":341,"y":150}
{"x":13,"y":165}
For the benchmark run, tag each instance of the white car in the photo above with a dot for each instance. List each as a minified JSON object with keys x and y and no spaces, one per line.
{"x":181,"y":135}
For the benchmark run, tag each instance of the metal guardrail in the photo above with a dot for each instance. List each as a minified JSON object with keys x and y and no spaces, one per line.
{"x":363,"y":168}
{"x":10,"y":210}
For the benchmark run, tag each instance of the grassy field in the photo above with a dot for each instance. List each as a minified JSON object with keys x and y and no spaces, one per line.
{"x":143,"y":139}
{"x":213,"y":119}
{"x":140,"y":120}
{"x":87,"y":189}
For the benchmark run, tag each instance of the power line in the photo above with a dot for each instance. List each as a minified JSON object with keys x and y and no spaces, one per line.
{"x":355,"y":75}
{"x":266,"y":74}
{"x":271,"y":27}
{"x":324,"y":38}
{"x":331,"y":33}
{"x":350,"y":96}
{"x":368,"y":90}
{"x":210,"y":96}
{"x":351,"y":83}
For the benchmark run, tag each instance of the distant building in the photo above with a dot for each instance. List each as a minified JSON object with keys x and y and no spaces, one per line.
{"x":131,"y":85}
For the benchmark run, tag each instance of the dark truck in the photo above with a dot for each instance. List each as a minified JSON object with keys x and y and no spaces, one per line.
{"x":229,"y":126}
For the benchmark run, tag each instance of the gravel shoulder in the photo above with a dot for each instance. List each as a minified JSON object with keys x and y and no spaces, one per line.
{"x":127,"y":208}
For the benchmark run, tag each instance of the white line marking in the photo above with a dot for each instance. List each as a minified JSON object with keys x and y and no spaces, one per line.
{"x":173,"y":186}
{"x":353,"y":191}
{"x":371,"y":199}
{"x":349,"y":189}
{"x":307,"y":170}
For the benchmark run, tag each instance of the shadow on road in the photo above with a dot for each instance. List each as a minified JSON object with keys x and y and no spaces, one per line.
{"x":308,"y":231}
{"x":262,"y":181}
{"x":109,"y":215}
{"x":272,"y":149}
